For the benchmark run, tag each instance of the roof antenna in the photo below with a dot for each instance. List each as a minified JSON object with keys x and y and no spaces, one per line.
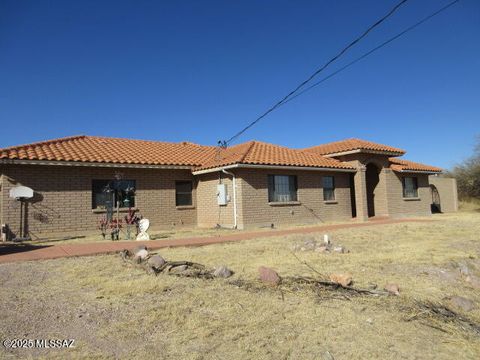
{"x":222,"y":144}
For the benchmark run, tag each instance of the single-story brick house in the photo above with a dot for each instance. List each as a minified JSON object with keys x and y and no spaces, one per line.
{"x":184,"y":184}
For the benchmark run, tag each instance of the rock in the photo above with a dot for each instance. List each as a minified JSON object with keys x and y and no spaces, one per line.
{"x":321,"y":249}
{"x":340,"y":249}
{"x":327,"y":356}
{"x":268,"y":275}
{"x":461,"y":303}
{"x":370,"y":321}
{"x":306,"y":245}
{"x":392,"y":288}
{"x":342,"y":279}
{"x":156,"y":261}
{"x":141,"y":254}
{"x":473,"y":280}
{"x":179,"y":269}
{"x":222,"y":272}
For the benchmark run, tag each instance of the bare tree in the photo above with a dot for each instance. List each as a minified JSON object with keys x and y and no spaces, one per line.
{"x":468,"y":175}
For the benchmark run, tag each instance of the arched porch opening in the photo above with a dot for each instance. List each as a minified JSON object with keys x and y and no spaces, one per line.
{"x":372,"y":180}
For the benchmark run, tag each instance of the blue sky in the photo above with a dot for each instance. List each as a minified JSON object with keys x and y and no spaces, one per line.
{"x":202,"y":70}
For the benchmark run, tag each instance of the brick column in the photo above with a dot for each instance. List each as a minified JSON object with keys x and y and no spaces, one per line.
{"x":360,"y":181}
{"x":387,"y":175}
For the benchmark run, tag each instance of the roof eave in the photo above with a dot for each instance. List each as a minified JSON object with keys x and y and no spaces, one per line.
{"x":272,"y":167}
{"x":418,"y":171}
{"x":365,"y":151}
{"x":92,"y":164}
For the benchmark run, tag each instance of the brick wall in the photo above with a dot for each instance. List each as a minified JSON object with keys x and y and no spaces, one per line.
{"x":63,"y":197}
{"x":398,"y":206}
{"x":379,"y":201}
{"x":209,"y":213}
{"x":447,"y":189}
{"x":256,"y":210}
{"x":388,"y":194}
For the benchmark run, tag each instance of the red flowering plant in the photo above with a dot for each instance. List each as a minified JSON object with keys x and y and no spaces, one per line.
{"x":131,"y":219}
{"x":115,"y":226}
{"x":103,"y":225}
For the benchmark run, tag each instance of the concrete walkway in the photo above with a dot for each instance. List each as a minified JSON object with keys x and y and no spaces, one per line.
{"x":40,"y":252}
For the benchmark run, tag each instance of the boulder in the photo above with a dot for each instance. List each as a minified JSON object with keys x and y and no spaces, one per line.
{"x":268,"y":275}
{"x":342,"y":279}
{"x":392,"y":288}
{"x":322,"y":249}
{"x":140,"y":255}
{"x":460,"y":303}
{"x":222,"y":272}
{"x":179,"y":269}
{"x":156,"y":261}
{"x":340,"y":249}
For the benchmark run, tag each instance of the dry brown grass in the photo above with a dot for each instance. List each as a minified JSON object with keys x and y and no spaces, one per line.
{"x":115,"y":310}
{"x":470,"y":205}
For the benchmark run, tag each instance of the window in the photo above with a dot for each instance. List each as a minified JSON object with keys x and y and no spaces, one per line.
{"x":328,"y":188}
{"x":282,"y":188}
{"x":410,"y":187}
{"x":183,"y":193}
{"x":106,"y":193}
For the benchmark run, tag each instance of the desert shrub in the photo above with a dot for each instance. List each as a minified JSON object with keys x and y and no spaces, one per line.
{"x":467,"y":174}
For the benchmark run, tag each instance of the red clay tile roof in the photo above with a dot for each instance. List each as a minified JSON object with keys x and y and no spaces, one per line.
{"x":352,"y":144}
{"x":125,"y":151}
{"x":260,"y":153}
{"x":406,"y":165}
{"x":111,"y":150}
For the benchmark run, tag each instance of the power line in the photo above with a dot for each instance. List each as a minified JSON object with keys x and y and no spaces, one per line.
{"x":303,"y":83}
{"x":410,"y":28}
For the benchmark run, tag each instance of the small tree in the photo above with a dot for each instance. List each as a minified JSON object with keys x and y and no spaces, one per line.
{"x":468,"y":175}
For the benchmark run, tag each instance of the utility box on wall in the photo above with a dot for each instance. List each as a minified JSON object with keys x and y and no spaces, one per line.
{"x":222,"y":198}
